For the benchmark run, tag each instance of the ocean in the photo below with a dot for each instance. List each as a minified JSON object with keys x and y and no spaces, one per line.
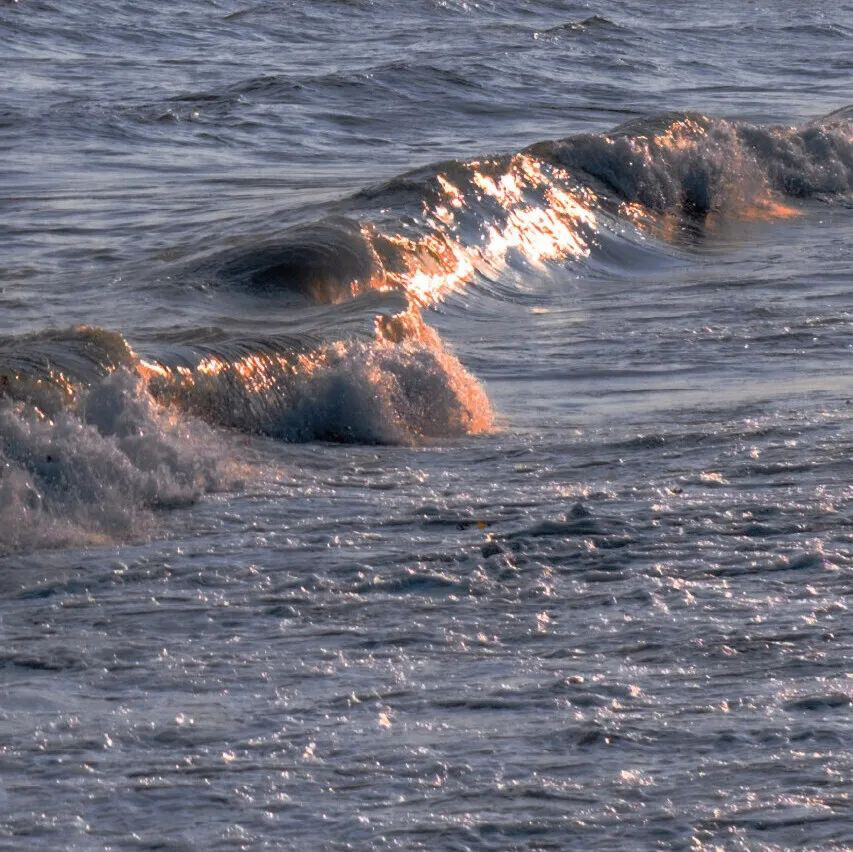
{"x":426,"y":425}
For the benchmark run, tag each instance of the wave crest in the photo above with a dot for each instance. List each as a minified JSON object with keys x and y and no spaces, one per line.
{"x":401,"y":388}
{"x":697,"y":165}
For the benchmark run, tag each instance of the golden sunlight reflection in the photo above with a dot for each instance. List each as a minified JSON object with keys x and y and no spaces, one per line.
{"x":524,"y":211}
{"x":523,"y":208}
{"x":486,"y":215}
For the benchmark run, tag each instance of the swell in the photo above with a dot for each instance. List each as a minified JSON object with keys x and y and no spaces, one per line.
{"x":380,"y":257}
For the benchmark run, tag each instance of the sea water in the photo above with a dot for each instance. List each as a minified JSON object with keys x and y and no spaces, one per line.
{"x":426,"y":424}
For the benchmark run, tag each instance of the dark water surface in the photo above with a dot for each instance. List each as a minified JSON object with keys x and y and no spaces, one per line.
{"x":426,"y":425}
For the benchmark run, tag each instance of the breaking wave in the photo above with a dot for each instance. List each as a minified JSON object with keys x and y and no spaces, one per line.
{"x":403,"y":387}
{"x":433,"y":231}
{"x":698,"y":166}
{"x":94,"y":440}
{"x":94,"y":437}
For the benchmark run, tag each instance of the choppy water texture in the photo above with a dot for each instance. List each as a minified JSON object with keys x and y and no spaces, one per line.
{"x":426,"y":425}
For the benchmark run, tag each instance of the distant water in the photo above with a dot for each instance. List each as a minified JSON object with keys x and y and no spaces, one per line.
{"x":426,"y":425}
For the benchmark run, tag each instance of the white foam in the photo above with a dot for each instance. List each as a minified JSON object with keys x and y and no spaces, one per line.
{"x":95,"y":472}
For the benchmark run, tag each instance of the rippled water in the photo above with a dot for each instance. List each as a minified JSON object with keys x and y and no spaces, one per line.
{"x":376,"y":473}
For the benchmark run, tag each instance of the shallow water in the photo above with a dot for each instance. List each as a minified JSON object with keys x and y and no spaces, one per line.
{"x":377,"y":474}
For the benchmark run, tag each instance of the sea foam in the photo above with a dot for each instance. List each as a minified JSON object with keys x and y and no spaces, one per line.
{"x":97,"y":470}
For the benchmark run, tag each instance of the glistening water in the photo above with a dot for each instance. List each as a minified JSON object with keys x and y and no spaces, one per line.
{"x":426,"y":425}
